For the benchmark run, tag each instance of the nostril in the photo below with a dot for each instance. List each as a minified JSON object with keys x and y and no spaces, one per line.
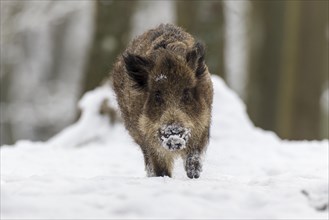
{"x":168,"y":145}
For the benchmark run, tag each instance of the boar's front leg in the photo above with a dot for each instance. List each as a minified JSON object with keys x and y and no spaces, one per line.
{"x":193,"y":165}
{"x":155,"y":165}
{"x":161,"y":167}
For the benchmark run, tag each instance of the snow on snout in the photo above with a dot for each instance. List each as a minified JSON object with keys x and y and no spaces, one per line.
{"x":174,"y":142}
{"x":174,"y":137}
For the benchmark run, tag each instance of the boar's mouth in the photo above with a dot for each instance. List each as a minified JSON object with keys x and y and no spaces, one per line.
{"x":174,"y":137}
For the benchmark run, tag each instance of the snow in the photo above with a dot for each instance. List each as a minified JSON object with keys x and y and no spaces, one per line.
{"x":160,"y":77}
{"x":93,"y":169}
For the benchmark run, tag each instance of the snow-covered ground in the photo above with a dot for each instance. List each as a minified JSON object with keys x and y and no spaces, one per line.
{"x":94,"y":170}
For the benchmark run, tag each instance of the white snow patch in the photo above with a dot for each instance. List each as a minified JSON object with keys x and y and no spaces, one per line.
{"x":160,"y":77}
{"x":318,"y":196}
{"x":92,"y":126}
{"x":247,"y":172}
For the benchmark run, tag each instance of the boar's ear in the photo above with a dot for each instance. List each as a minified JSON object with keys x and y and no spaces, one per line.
{"x":137,"y":68}
{"x":196,"y":59}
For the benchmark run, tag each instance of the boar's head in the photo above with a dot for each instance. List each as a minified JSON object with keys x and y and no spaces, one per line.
{"x":172,"y":86}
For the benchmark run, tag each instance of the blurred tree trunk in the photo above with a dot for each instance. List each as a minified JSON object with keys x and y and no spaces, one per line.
{"x":6,"y":69}
{"x":205,"y":21}
{"x":288,"y":65}
{"x":6,"y":134}
{"x":264,"y":68}
{"x":111,"y":35}
{"x":304,"y":69}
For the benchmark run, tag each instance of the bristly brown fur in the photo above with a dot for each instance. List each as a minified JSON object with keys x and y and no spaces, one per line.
{"x":162,"y":79}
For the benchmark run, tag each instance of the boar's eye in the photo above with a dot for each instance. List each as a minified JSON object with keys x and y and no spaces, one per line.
{"x":186,"y":98}
{"x":158,"y":97}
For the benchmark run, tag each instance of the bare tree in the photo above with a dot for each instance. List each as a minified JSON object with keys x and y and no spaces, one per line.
{"x":205,"y":20}
{"x":288,"y":65}
{"x":304,"y":69}
{"x":112,"y":31}
{"x":266,"y":23}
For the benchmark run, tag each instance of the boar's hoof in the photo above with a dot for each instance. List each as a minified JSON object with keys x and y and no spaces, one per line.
{"x":193,"y":172}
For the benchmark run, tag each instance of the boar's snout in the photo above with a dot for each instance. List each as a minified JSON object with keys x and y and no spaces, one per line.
{"x":174,"y":136}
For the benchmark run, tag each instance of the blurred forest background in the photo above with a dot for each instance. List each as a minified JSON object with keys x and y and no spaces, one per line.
{"x":274,"y":54}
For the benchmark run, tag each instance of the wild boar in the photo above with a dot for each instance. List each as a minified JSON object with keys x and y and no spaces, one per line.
{"x":165,"y":94}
